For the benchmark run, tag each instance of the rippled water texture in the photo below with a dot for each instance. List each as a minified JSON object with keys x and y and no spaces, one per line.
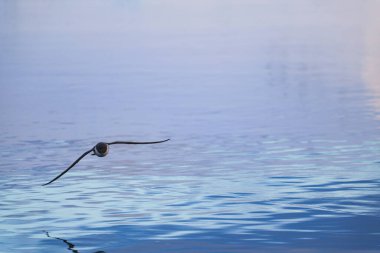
{"x":272,"y":108}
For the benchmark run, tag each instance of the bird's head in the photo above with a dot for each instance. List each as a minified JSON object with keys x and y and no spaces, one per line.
{"x":101,"y":149}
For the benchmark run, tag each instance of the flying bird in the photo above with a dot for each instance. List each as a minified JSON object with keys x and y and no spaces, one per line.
{"x":101,"y":149}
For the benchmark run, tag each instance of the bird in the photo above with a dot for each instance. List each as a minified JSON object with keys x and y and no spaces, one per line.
{"x":101,"y":150}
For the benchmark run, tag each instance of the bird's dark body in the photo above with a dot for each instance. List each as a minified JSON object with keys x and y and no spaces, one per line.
{"x":101,"y":149}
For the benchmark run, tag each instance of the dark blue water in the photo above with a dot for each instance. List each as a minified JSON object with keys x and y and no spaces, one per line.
{"x":272,"y":107}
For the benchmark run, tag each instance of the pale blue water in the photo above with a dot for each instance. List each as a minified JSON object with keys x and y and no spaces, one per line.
{"x":272,"y":107}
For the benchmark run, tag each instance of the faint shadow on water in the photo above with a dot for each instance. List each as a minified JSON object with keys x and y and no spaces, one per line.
{"x":70,"y":246}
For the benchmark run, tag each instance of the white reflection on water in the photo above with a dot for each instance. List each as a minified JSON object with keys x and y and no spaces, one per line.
{"x":372,"y":54}
{"x":273,"y":139}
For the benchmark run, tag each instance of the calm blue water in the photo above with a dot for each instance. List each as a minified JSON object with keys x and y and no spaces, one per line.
{"x":272,"y":107}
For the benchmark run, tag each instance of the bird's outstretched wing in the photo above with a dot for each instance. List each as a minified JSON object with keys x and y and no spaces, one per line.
{"x":136,"y":142}
{"x":72,"y":165}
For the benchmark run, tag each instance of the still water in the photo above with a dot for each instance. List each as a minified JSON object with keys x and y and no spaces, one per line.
{"x":272,"y":107}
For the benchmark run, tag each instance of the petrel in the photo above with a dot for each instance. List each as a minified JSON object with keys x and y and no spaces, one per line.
{"x":101,"y":149}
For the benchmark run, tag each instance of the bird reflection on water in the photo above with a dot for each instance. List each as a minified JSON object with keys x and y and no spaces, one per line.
{"x":70,"y":245}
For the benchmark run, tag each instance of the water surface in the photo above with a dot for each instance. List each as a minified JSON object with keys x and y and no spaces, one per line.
{"x":272,"y":109}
